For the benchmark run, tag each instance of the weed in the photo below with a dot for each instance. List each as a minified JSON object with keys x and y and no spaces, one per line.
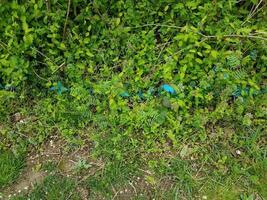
{"x":10,"y":167}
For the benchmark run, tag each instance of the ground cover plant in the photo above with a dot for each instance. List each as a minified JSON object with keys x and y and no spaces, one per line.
{"x":10,"y":167}
{"x":169,"y":96}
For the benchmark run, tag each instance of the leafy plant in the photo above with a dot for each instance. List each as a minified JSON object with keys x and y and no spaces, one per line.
{"x":142,"y":80}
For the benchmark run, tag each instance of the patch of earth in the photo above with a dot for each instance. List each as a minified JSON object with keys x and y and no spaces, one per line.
{"x":54,"y":151}
{"x":57,"y":151}
{"x":28,"y":178}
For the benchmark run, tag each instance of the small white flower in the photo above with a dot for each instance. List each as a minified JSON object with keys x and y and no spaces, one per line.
{"x":204,"y":197}
{"x":19,"y":191}
{"x":121,"y":192}
{"x":26,"y":188}
{"x":238,"y":152}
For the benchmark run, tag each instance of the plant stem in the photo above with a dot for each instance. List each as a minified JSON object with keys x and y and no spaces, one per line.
{"x":66,"y":20}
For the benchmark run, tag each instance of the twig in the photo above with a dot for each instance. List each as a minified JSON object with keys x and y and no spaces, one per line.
{"x":252,"y":12}
{"x":146,"y":171}
{"x":162,"y":50}
{"x":202,"y":186}
{"x":40,"y":76}
{"x":259,"y":33}
{"x":225,"y":36}
{"x":206,"y":36}
{"x":41,"y":63}
{"x":116,"y":194}
{"x":258,"y":10}
{"x":41,"y":53}
{"x":48,"y":5}
{"x":52,"y":153}
{"x":58,"y":67}
{"x":66,"y":20}
{"x":133,"y":188}
{"x":159,"y":25}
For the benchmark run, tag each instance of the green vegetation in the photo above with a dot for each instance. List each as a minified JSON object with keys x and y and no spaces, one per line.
{"x":10,"y":167}
{"x":172,"y":92}
{"x":53,"y":188}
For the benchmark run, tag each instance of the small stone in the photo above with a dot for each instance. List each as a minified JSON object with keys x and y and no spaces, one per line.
{"x":121,"y":192}
{"x":26,"y":188}
{"x":19,"y":191}
{"x":16,"y":117}
{"x":238,"y":152}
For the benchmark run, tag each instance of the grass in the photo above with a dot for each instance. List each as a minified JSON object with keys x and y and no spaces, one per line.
{"x":179,"y":179}
{"x":102,"y":91}
{"x":54,"y":187}
{"x":10,"y":167}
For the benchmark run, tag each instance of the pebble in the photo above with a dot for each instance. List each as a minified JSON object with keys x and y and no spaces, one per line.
{"x":238,"y":152}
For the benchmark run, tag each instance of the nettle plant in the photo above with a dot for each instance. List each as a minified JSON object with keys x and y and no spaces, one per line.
{"x":104,"y":64}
